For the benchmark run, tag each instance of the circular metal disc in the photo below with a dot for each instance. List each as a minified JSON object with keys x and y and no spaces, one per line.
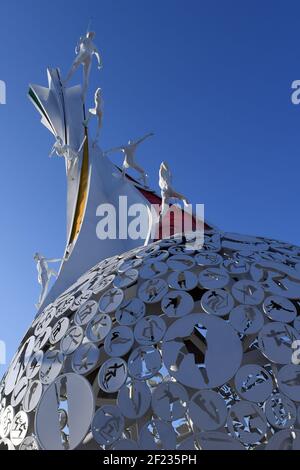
{"x":185,"y":280}
{"x":118,"y":341}
{"x":153,"y":290}
{"x":19,"y":392}
{"x":247,"y":422}
{"x":289,"y":381}
{"x":85,"y":358}
{"x":218,"y":302}
{"x":107,"y":425}
{"x":279,"y":309}
{"x":130,"y":311}
{"x":129,"y":264}
{"x":220,"y":351}
{"x":275,"y":341}
{"x":72,"y":340}
{"x":34,"y":365}
{"x":253,"y":383}
{"x":208,"y":259}
{"x":134,"y":399}
{"x":112,"y":375}
{"x":144,"y":362}
{"x":287,"y":439}
{"x":177,"y":304}
{"x":153,"y":270}
{"x":32,"y":396}
{"x":280,"y":411}
{"x":71,"y":393}
{"x":111,"y":300}
{"x":214,"y":278}
{"x":149,"y":330}
{"x":248,"y":292}
{"x":51,"y":367}
{"x":157,"y":435}
{"x":19,"y":428}
{"x":6,"y":421}
{"x":99,"y":327}
{"x":29,"y":443}
{"x":86,"y":312}
{"x":126,"y":279}
{"x":246,"y":319}
{"x":170,"y":401}
{"x":207,"y":410}
{"x":59,"y":330}
{"x":180,"y":262}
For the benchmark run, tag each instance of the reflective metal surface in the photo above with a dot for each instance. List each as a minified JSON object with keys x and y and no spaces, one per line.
{"x":162,"y":348}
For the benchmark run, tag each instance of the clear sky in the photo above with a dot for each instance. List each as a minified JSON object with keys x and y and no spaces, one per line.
{"x":211,"y":78}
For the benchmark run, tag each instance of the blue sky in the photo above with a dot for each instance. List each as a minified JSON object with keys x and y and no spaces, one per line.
{"x":212,"y":79}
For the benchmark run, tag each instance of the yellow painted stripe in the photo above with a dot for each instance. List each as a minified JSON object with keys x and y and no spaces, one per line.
{"x":82,"y":192}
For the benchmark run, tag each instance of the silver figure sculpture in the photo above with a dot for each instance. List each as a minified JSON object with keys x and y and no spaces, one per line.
{"x":64,"y":150}
{"x":167,"y":190}
{"x":44,"y":274}
{"x":96,"y":111}
{"x":129,"y":151}
{"x":84,"y":51}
